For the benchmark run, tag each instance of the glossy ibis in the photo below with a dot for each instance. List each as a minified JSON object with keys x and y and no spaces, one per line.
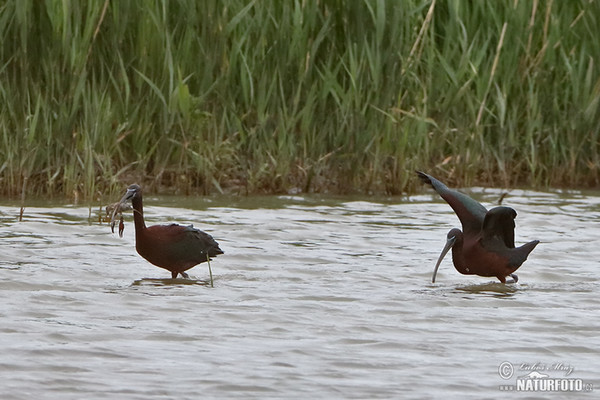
{"x":173,"y":247}
{"x":486,"y":245}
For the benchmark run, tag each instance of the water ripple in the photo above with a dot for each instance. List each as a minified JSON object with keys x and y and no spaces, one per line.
{"x":327,"y":298}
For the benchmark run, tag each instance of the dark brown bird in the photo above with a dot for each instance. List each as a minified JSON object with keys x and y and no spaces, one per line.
{"x":486,"y":245}
{"x":173,"y":247}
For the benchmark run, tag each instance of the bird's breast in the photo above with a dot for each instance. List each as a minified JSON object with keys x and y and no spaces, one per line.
{"x":481,"y":261}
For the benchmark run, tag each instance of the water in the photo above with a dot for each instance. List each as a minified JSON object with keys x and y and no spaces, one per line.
{"x":322,"y":298}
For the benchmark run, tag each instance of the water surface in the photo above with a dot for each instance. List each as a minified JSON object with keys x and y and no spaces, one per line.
{"x":319,"y":297}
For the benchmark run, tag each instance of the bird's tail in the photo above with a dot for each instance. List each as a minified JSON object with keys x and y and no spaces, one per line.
{"x":520,"y":254}
{"x":528,"y":247}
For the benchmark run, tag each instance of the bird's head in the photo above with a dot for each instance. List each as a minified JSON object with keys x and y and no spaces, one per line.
{"x":132,"y":191}
{"x":454,"y":235}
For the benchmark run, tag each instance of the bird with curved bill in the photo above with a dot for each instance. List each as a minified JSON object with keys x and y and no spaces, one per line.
{"x":486,"y":244}
{"x":173,"y":247}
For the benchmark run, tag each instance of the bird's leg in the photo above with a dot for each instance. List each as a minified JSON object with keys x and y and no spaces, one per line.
{"x":184,"y":275}
{"x":173,"y":275}
{"x":209,"y":270}
{"x":514,"y":277}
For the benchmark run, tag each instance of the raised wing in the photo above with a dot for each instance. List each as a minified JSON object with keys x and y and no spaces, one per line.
{"x":499,"y":224}
{"x":470,"y":212}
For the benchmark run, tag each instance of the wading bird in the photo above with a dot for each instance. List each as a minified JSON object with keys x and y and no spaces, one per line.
{"x":486,"y":245}
{"x":173,"y":247}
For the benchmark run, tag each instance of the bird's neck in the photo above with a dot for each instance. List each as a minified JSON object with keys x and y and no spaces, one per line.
{"x":138,"y":215}
{"x":458,"y":257}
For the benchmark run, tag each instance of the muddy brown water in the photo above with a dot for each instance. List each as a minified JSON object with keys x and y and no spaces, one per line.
{"x":314,"y":297}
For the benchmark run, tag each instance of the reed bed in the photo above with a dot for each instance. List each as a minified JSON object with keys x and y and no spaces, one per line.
{"x":296,"y":96}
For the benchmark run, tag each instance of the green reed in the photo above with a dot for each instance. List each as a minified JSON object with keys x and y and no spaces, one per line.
{"x":269,"y":96}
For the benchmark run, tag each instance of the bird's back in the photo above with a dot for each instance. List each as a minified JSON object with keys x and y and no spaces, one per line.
{"x":175,"y":246}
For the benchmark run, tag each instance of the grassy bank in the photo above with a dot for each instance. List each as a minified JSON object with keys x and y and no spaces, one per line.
{"x":271,"y":96}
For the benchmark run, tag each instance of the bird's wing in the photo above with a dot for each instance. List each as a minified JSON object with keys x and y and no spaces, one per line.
{"x":186,"y":241}
{"x":204,"y":240}
{"x":499,"y":224}
{"x":470,"y":212}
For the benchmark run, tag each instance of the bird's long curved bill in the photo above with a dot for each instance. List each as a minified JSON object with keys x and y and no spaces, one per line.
{"x":118,"y":208}
{"x":128,"y":195}
{"x":447,"y":247}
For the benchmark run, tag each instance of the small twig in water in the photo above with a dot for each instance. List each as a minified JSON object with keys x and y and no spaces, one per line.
{"x":23,"y":191}
{"x":502,"y":196}
{"x":209,"y":270}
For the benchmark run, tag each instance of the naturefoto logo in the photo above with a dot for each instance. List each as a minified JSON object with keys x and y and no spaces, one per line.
{"x":539,"y":378}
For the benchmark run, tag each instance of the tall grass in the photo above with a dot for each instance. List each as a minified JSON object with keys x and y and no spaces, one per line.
{"x":270,"y":96}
